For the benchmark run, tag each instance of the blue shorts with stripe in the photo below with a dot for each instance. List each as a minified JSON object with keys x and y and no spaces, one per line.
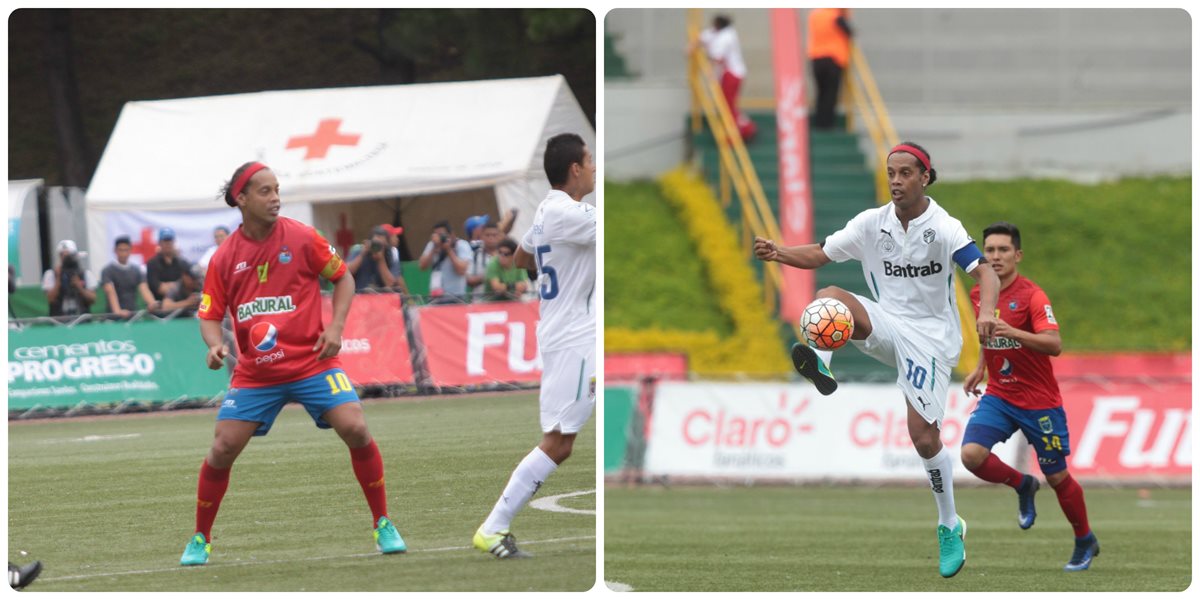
{"x":317,"y":394}
{"x":995,"y":420}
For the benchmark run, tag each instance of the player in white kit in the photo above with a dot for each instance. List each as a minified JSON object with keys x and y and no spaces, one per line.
{"x":562,"y":244}
{"x":908,"y":249}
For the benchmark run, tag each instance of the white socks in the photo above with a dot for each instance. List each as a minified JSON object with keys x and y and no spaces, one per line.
{"x":534,"y":469}
{"x":940,"y":470}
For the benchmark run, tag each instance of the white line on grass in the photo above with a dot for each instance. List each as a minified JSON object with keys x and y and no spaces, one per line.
{"x":93,"y":438}
{"x":251,"y":563}
{"x":550,"y":503}
{"x":617,"y":586}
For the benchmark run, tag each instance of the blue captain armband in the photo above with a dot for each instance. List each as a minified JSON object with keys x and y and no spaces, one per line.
{"x":967,"y":256}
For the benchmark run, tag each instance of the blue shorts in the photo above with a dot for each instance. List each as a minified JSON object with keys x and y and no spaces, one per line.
{"x":994,"y":420}
{"x":318,"y":394}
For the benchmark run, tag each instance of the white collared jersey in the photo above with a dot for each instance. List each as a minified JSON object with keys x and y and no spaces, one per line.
{"x":911,"y":273}
{"x":563,"y":241}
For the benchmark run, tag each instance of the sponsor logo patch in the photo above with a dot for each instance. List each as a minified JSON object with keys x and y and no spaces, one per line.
{"x":929,"y":236}
{"x":270,"y":305}
{"x":891,"y":270}
{"x":1045,"y":424}
{"x":1050,"y":315}
{"x":264,"y":336}
{"x":285,"y":256}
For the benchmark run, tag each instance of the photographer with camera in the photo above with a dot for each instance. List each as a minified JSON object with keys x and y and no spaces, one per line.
{"x":376,"y":262}
{"x":447,"y":257}
{"x":69,"y":289}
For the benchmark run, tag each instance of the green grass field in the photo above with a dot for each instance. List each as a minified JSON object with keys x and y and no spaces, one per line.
{"x":108,"y":504}
{"x":820,"y":538}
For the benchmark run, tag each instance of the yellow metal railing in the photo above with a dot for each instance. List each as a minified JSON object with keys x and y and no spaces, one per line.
{"x":863,"y":94}
{"x":736,"y":169}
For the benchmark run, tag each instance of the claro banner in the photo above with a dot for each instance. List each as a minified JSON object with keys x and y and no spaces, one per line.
{"x":1133,"y":431}
{"x":481,"y":343}
{"x":102,"y":363}
{"x":374,"y":343}
{"x":781,"y":431}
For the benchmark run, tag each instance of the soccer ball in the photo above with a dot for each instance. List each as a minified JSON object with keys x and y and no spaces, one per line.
{"x":827,"y":324}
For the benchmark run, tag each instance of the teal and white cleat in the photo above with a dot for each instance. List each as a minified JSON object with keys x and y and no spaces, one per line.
{"x":501,"y":544}
{"x":196,"y":552}
{"x":952,"y":551}
{"x":811,"y":366}
{"x":387,"y":538}
{"x":1086,"y":549}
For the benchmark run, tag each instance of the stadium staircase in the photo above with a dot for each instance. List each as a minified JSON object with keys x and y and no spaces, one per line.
{"x":843,"y":186}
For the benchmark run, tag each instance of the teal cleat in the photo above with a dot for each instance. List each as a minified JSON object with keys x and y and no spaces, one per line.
{"x":811,"y":366}
{"x":1086,"y":548}
{"x":387,"y":538}
{"x":952,"y":551}
{"x":1026,"y":512}
{"x":196,"y":552}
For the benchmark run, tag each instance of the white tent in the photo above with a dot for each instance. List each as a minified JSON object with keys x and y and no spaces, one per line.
{"x":444,"y":150}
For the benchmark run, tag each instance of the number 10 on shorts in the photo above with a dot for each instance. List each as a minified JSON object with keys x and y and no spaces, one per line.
{"x":340,"y":384}
{"x":915,"y":374}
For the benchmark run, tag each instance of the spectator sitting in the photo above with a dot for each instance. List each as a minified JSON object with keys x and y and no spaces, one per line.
{"x":506,"y":281}
{"x":166,"y":268}
{"x":375,"y":263}
{"x":69,"y":289}
{"x":220,"y":232}
{"x":185,"y":295}
{"x":448,"y":258}
{"x":124,"y":281}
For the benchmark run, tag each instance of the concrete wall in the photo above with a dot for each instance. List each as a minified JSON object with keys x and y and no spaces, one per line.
{"x":992,"y":93}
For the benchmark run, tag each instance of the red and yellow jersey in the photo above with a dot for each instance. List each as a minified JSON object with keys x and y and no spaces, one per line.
{"x":271,"y":291}
{"x":1017,"y":374}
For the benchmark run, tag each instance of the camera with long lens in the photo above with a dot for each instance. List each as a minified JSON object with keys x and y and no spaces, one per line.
{"x":376,"y":246}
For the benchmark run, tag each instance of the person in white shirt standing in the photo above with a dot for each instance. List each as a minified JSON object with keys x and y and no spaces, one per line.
{"x":722,"y":46}
{"x":562,"y":244}
{"x":906,"y":248}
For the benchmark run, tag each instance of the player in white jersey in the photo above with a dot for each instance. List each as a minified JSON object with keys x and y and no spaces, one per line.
{"x":562,"y":244}
{"x":908,"y":249}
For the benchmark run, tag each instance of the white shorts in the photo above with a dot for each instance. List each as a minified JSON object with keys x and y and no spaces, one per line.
{"x":923,"y":374}
{"x":568,"y":392}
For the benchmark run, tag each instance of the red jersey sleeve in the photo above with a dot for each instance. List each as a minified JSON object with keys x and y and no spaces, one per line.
{"x":324,"y":258}
{"x":212,"y":299}
{"x":1041,"y":315}
{"x":975,"y":300}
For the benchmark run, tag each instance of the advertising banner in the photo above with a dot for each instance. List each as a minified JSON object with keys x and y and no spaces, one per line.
{"x":473,"y":344}
{"x":795,"y":193}
{"x":193,"y":230}
{"x":101,"y":363}
{"x":1129,"y":430}
{"x":789,"y":431}
{"x":374,"y":343}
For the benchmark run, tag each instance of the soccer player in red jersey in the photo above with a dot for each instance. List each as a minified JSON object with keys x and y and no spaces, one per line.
{"x":1022,"y":393}
{"x":266,"y":275}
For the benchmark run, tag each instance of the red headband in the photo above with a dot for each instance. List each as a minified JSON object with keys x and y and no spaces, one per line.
{"x":236,"y":189}
{"x":913,"y":151}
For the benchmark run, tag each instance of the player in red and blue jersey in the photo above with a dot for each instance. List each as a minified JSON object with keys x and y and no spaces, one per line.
{"x":1022,"y":393}
{"x":266,"y":276}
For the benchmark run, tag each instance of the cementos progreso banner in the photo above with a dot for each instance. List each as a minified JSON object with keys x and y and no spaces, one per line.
{"x":102,"y":363}
{"x":791,"y":431}
{"x":481,"y":343}
{"x":374,"y":344}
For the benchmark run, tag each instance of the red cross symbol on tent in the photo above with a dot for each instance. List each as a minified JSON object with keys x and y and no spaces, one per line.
{"x":318,"y":144}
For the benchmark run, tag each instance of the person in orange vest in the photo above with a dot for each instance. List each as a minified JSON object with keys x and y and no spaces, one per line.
{"x":829,"y":36}
{"x":722,"y":46}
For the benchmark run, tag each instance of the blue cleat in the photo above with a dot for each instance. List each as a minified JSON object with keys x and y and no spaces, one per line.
{"x":1086,"y":548}
{"x":1026,"y":513}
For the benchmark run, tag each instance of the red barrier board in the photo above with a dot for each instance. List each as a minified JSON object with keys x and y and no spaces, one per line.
{"x":374,"y":346}
{"x":1129,"y":430}
{"x":481,"y":343}
{"x":1131,"y":365}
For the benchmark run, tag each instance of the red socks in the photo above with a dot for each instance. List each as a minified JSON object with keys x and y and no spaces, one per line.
{"x":368,"y":468}
{"x":210,"y":490}
{"x":1070,"y":498}
{"x":995,"y":471}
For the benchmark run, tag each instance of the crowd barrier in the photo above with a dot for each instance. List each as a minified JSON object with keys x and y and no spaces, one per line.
{"x":1132,"y":431}
{"x":388,"y":341}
